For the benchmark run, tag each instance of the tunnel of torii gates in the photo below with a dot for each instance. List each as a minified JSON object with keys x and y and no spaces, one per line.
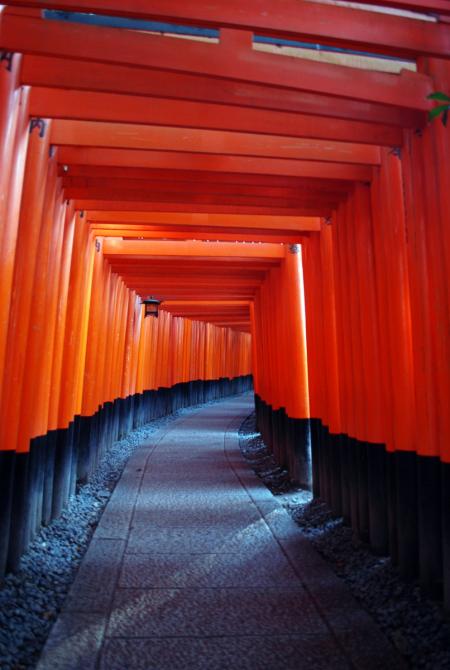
{"x":289,"y":206}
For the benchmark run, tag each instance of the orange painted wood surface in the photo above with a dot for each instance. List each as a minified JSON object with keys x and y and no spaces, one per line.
{"x":287,"y":18}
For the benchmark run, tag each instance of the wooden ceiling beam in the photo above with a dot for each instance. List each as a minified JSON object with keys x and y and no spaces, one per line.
{"x":233,"y":59}
{"x":223,"y":143}
{"x":326,"y":24}
{"x":193,"y":219}
{"x":93,"y":106}
{"x":72,"y":74}
{"x":195,"y":162}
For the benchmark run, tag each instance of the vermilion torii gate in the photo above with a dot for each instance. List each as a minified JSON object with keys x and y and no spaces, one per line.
{"x":305,"y":202}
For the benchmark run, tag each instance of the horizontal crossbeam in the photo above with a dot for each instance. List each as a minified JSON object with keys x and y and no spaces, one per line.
{"x":174,"y":160}
{"x":232,"y":59}
{"x":337,"y":26}
{"x":65,"y":73}
{"x":94,"y":106}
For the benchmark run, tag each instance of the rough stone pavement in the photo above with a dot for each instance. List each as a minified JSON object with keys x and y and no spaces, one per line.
{"x":195,"y":566}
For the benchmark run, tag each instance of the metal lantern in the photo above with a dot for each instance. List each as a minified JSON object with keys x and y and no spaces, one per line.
{"x":151,"y":306}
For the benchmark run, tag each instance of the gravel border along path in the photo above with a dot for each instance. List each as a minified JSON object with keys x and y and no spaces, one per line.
{"x":416,"y":625}
{"x":30,"y":600}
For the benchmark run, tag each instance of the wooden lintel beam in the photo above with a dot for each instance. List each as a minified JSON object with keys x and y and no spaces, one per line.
{"x":228,"y":61}
{"x":114,"y":248}
{"x":71,"y":74}
{"x":146,"y":206}
{"x":213,"y":220}
{"x":174,"y":160}
{"x":226,"y":143}
{"x":81,"y":105}
{"x":294,"y":19}
{"x":198,"y":187}
{"x":155,"y":199}
{"x":282,"y":238}
{"x":195,"y":176}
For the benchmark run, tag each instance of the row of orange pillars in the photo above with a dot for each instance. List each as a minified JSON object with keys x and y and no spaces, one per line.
{"x":349,"y":349}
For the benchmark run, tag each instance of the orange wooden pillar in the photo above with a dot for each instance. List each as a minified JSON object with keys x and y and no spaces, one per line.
{"x":90,"y":435}
{"x":344,"y":363}
{"x":330,"y":372}
{"x":14,"y":135}
{"x":72,"y":364}
{"x":279,"y":355}
{"x":61,"y":280}
{"x":38,"y":355}
{"x":349,"y":349}
{"x":264,"y":366}
{"x":296,"y":367}
{"x":14,"y":127}
{"x":317,"y":377}
{"x":15,"y":376}
{"x":440,"y":71}
{"x":427,"y":216}
{"x":397,"y":380}
{"x":371,"y":476}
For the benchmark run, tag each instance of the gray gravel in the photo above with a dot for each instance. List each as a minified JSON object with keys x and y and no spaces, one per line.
{"x":31,"y":599}
{"x":416,"y":625}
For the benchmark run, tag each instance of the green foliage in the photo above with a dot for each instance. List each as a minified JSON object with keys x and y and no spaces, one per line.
{"x":440,"y":110}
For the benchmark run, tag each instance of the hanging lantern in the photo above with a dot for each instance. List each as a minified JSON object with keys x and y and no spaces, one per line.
{"x":151,"y":306}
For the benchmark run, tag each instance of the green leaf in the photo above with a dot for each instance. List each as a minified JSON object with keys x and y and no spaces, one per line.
{"x":438,"y":96}
{"x":436,"y":111}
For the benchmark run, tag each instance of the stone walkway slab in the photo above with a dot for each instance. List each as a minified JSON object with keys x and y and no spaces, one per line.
{"x":196,"y":566}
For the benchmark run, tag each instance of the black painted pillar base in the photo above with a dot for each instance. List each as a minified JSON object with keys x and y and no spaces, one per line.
{"x":334,"y":454}
{"x":345,"y":477}
{"x":445,"y":507}
{"x":353,"y":447}
{"x":377,"y":498}
{"x":106,"y":423}
{"x":325,"y":470}
{"x":281,"y":437}
{"x":7,"y":475}
{"x":391,"y":485}
{"x":138,"y":410}
{"x":19,"y":512}
{"x":82,"y":431}
{"x":116,"y":421}
{"x":274,"y":433}
{"x":269,"y":435}
{"x":35,"y":486}
{"x":430,"y":524}
{"x":49,"y":476}
{"x":315,"y":457}
{"x":63,"y":469}
{"x":299,"y":443}
{"x":406,"y":513}
{"x":291,"y":449}
{"x":363,"y":494}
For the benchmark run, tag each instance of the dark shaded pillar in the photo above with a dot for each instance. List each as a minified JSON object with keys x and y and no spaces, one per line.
{"x":363,"y":493}
{"x":345,"y":478}
{"x":378,"y":502}
{"x":315,"y":457}
{"x":407,"y":518}
{"x":7,"y":476}
{"x":430,"y":524}
{"x":391,"y":484}
{"x":334,"y":454}
{"x":19,"y":512}
{"x":63,"y":468}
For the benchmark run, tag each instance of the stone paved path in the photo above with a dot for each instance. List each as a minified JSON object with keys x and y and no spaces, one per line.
{"x":195,"y":566}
